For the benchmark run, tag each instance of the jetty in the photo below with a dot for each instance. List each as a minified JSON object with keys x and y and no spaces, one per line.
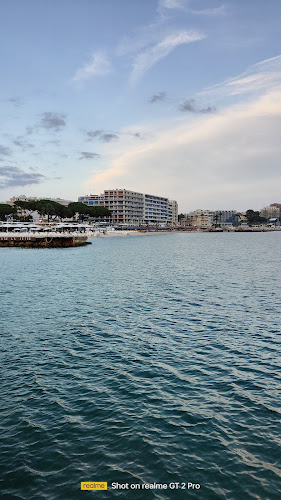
{"x":43,"y":240}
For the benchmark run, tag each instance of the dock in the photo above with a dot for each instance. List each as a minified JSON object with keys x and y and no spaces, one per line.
{"x":43,"y":240}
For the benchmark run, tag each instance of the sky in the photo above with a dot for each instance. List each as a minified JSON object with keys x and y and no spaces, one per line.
{"x":176,"y":98}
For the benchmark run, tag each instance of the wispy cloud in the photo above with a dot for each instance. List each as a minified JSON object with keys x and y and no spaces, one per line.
{"x":186,"y":5}
{"x":147,"y":59}
{"x":109,"y":137}
{"x":173,"y":4}
{"x":20,"y":142}
{"x":5,"y":151}
{"x":16,"y":101}
{"x":161,"y":96}
{"x":258,"y":78}
{"x":215,"y":11}
{"x":29,"y":130}
{"x":99,"y":65}
{"x":53,"y":121}
{"x":86,"y":155}
{"x":230,"y":145}
{"x":102,"y":136}
{"x":92,"y":134}
{"x":190,"y":105}
{"x":15,"y":176}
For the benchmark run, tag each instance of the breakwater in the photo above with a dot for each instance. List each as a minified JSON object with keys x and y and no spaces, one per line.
{"x":42,"y":240}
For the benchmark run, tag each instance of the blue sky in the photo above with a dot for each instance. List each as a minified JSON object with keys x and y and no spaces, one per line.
{"x":180,"y":98}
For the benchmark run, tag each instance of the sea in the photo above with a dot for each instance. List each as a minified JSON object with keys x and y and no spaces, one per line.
{"x":150,"y":363}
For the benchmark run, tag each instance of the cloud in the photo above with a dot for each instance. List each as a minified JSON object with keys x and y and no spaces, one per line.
{"x":213,"y":11}
{"x":109,"y":137}
{"x":85,"y":155}
{"x":4,"y":151}
{"x":258,"y":78}
{"x":173,"y":4}
{"x":189,"y":105}
{"x":215,"y":161}
{"x":103,"y":136}
{"x":92,"y":134}
{"x":21,"y":143}
{"x":99,"y":65}
{"x":147,"y":59}
{"x":53,"y":121}
{"x":186,"y":6}
{"x":14,"y":176}
{"x":161,"y":96}
{"x":16,"y":101}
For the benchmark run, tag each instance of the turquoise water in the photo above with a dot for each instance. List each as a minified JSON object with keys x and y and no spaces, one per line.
{"x":142,"y":359}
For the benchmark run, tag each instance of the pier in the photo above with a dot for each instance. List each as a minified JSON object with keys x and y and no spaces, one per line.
{"x":43,"y":240}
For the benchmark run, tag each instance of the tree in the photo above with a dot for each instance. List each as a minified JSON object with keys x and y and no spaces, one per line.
{"x":216,"y":218}
{"x":99,"y":212}
{"x":84,"y":210}
{"x":27,"y":206}
{"x":77,"y":207}
{"x":253,"y":217}
{"x":50,"y":208}
{"x":5,"y":210}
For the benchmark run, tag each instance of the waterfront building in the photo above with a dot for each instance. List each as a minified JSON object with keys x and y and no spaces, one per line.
{"x":202,"y":219}
{"x":92,"y":200}
{"x":272,"y":211}
{"x":224,"y":218}
{"x":155,"y":210}
{"x":134,"y":208}
{"x":126,"y":207}
{"x":22,"y":197}
{"x":173,"y":212}
{"x":241,"y":219}
{"x":34,"y":214}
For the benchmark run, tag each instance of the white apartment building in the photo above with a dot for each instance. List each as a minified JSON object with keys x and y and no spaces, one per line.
{"x":127,"y":207}
{"x":92,"y":199}
{"x":173,"y":212}
{"x":155,"y":210}
{"x":133,"y":208}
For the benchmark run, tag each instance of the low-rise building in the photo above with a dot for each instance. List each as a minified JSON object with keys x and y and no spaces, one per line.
{"x":202,"y":219}
{"x":22,"y":197}
{"x":224,"y":218}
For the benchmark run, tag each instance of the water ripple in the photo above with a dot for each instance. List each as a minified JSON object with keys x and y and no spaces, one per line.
{"x":142,"y":360}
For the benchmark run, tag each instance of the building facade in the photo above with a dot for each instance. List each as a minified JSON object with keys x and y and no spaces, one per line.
{"x":31,"y":198}
{"x":133,"y":208}
{"x":204,"y":219}
{"x":272,"y":211}
{"x":173,"y":212}
{"x":201,"y":219}
{"x":223,"y":217}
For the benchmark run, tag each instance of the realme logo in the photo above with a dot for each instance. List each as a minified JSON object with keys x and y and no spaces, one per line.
{"x":93,"y":486}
